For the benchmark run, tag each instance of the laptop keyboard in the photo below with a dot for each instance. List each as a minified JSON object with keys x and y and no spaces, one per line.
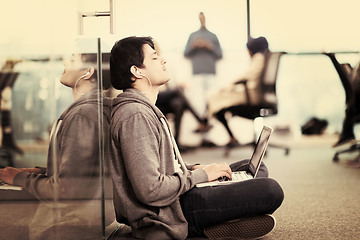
{"x":241,"y":176}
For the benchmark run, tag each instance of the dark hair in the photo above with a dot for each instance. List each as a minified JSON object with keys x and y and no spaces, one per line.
{"x":91,"y":60}
{"x":124,"y":54}
{"x":256,"y":45}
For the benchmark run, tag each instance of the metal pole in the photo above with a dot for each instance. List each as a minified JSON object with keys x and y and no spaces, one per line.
{"x":111,"y":17}
{"x":248,"y":19}
{"x":80,"y":24}
{"x":101,"y":133}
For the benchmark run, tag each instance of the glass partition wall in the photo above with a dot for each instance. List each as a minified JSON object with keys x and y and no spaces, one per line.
{"x":54,"y":128}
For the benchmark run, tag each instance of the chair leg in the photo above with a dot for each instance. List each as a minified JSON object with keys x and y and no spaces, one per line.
{"x":286,"y":149}
{"x":258,"y":124}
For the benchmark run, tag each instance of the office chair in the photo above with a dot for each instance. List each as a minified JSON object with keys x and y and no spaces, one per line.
{"x":351,"y":98}
{"x":268,"y":103}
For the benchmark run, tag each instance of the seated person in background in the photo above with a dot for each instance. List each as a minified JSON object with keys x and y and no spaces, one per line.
{"x":154,"y":189}
{"x":235,"y":94}
{"x":173,"y":100}
{"x":73,"y":165}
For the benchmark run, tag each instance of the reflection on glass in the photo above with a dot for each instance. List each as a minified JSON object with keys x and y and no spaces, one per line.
{"x":7,"y":143}
{"x":70,"y":187}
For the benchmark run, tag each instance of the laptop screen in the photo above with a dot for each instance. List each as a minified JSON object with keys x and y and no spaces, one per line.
{"x":259,"y":150}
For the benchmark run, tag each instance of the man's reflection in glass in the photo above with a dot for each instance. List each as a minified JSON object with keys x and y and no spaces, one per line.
{"x":70,"y":187}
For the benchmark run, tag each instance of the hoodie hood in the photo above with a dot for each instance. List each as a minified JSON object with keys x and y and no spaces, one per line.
{"x":133,"y":95}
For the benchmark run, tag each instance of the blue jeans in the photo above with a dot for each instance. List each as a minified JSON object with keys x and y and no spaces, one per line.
{"x":207,"y":206}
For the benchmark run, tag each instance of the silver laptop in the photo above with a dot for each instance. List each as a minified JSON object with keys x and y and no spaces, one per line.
{"x":254,"y":163}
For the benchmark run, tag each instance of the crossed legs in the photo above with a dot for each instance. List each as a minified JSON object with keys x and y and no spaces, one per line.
{"x":207,"y":206}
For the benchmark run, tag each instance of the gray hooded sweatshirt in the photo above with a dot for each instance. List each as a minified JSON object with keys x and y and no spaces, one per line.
{"x":73,"y":172}
{"x":73,"y":168}
{"x":147,"y":186}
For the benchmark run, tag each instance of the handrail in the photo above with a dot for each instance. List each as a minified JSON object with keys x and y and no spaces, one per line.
{"x":322,"y":52}
{"x":110,"y":14}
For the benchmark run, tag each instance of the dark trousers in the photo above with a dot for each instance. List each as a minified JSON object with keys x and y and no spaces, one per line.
{"x":174,"y":101}
{"x":207,"y":206}
{"x":221,"y":117}
{"x":169,"y":101}
{"x":245,"y":111}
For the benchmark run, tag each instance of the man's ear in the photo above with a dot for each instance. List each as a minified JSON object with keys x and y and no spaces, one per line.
{"x":135,"y":71}
{"x":89,"y":74}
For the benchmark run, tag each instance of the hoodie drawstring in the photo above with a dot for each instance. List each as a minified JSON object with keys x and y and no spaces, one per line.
{"x":178,"y":157}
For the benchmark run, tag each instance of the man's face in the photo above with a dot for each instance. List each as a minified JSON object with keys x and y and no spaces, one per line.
{"x":155,"y":68}
{"x":73,"y":70}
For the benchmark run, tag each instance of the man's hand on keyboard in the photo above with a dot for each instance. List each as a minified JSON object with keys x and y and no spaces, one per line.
{"x":223,"y":178}
{"x":214,"y":171}
{"x":8,"y":174}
